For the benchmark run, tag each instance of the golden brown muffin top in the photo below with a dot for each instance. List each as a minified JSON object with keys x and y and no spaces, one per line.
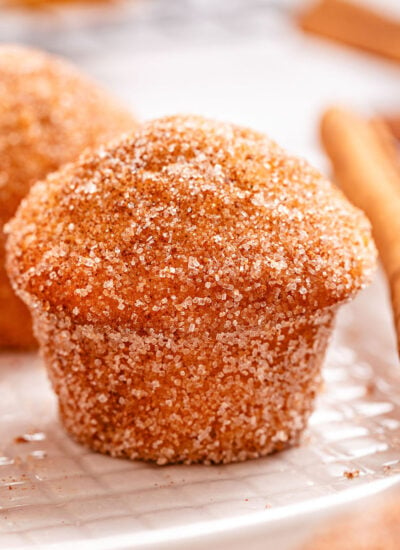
{"x":188,"y":215}
{"x":49,"y":113}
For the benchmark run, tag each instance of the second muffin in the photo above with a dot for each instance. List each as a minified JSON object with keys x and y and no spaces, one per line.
{"x":183,"y":285}
{"x":49,"y":113}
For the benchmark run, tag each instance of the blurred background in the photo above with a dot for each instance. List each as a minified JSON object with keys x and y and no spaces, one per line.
{"x":245,"y":61}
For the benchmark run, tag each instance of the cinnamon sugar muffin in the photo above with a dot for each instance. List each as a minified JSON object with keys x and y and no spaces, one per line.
{"x":49,"y":113}
{"x":183,"y":284}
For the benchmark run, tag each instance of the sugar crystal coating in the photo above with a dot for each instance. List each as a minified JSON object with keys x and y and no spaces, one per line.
{"x":183,"y":282}
{"x":49,"y":113}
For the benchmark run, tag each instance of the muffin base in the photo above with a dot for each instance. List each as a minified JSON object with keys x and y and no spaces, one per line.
{"x":185,"y":397}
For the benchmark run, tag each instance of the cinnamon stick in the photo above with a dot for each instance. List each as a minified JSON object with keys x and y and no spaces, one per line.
{"x":371,"y":181}
{"x":387,"y":140}
{"x":393,"y":122}
{"x":356,"y":25}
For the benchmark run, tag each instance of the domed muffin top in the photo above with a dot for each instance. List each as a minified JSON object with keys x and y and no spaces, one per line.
{"x":188,"y":215}
{"x":49,"y":113}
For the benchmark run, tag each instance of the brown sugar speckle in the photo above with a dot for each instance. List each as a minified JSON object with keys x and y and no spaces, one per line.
{"x":370,"y":388}
{"x":30,"y":437}
{"x":21,"y":439}
{"x":351,"y":474}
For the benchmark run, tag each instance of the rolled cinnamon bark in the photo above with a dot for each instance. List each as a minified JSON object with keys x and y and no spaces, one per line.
{"x":393,"y":121}
{"x":353,"y":24}
{"x":387,"y":139}
{"x":370,"y":179}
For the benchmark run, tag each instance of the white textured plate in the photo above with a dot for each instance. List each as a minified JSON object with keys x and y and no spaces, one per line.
{"x":53,"y":491}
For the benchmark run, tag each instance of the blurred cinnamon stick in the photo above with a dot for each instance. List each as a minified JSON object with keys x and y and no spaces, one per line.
{"x":370,"y":179}
{"x":394,"y":124}
{"x":353,"y":24}
{"x":387,"y":140}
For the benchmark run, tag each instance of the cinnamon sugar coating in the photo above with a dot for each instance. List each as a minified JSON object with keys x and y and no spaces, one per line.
{"x":49,"y":113}
{"x":183,"y":283}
